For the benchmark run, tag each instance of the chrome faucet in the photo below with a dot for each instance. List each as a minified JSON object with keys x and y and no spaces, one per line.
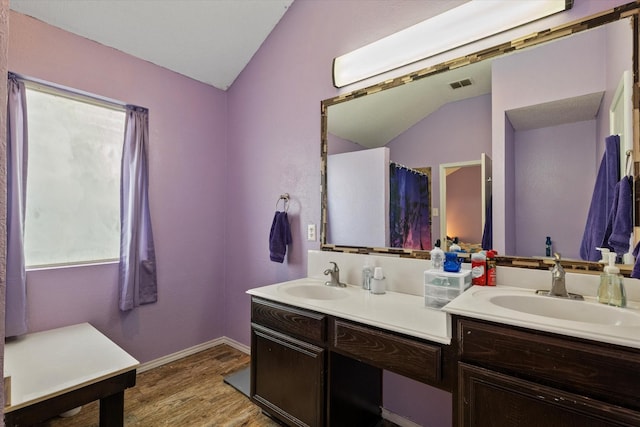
{"x":558,"y":285}
{"x":334,"y":274}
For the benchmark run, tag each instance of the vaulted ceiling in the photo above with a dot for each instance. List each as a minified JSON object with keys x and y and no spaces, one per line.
{"x":208,"y":40}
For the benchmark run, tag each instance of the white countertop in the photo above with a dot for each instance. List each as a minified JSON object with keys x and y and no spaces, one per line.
{"x":407,"y":314}
{"x":475,"y":303}
{"x":49,"y":363}
{"x":394,"y":311}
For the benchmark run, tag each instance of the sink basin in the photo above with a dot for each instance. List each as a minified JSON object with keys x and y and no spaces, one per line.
{"x":314,"y":290}
{"x":557,"y":308}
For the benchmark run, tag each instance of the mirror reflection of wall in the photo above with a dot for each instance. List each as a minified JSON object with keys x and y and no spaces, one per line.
{"x":563,"y":90}
{"x":544,"y":157}
{"x":575,"y":79}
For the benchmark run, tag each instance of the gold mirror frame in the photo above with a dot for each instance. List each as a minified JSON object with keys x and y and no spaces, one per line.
{"x":630,"y":10}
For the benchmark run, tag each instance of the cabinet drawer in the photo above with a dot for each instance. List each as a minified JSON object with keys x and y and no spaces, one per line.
{"x":404,"y":356}
{"x":488,"y":398}
{"x":603,"y":371}
{"x":289,"y":320}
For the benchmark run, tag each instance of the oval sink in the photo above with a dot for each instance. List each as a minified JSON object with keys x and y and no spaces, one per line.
{"x":577,"y":311}
{"x":314,"y":291}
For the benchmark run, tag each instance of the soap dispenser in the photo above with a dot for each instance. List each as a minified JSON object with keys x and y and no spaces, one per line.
{"x":367,"y":274}
{"x":437,"y":257}
{"x":611,"y":289}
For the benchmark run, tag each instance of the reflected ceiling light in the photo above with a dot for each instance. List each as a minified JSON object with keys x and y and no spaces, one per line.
{"x":464,"y":24}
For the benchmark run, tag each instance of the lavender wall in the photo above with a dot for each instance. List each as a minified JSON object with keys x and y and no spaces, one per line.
{"x":187,"y":195}
{"x":274,"y":134}
{"x":544,"y":158}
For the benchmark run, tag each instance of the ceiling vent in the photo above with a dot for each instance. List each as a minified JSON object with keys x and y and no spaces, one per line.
{"x":460,"y":83}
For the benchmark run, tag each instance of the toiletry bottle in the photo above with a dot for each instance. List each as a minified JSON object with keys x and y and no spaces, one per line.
{"x":452,"y":263}
{"x":611,"y":289}
{"x":437,"y":257}
{"x":378,"y":282}
{"x":478,"y":269}
{"x":455,"y":247}
{"x":367,"y":274}
{"x":548,"y":251}
{"x":491,"y":268}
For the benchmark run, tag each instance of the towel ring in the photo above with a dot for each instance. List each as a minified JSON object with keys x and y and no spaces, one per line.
{"x":284,"y":197}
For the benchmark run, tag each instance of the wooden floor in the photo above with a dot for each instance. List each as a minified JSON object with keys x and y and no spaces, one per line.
{"x":186,"y":393}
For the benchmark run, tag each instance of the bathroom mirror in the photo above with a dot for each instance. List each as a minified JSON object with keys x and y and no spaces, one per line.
{"x":539,"y":107}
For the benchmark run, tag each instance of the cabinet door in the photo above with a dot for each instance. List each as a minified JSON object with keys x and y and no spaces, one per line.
{"x":490,"y":399}
{"x":287,"y":377}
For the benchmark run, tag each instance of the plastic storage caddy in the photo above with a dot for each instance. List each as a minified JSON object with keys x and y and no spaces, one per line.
{"x":441,"y":287}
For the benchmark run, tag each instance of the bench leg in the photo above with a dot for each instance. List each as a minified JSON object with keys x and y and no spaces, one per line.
{"x":112,"y":410}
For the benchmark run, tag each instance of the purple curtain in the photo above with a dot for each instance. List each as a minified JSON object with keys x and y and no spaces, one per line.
{"x":137,"y":278}
{"x":409,"y":219}
{"x":16,"y":289}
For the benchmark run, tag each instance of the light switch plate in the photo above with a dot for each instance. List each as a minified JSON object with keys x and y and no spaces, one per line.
{"x":311,"y":232}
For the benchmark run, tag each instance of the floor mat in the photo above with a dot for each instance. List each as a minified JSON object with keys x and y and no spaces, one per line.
{"x":240,"y":380}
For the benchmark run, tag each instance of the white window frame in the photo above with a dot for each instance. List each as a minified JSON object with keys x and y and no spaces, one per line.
{"x":84,"y":97}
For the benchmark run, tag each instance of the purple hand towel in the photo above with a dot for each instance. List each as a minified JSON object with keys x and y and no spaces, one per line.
{"x":279,"y":237}
{"x":620,"y":220}
{"x":635,"y":273}
{"x":602,"y":200}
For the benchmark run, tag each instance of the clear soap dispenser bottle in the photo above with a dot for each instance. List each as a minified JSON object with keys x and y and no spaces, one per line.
{"x":437,"y":257}
{"x":611,"y":289}
{"x":367,"y":274}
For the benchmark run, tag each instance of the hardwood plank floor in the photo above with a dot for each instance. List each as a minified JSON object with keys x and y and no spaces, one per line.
{"x":189,"y":392}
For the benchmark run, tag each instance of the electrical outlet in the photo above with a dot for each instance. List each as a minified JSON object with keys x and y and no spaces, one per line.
{"x":311,"y":232}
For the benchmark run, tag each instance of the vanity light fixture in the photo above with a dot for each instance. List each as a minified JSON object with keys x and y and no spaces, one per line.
{"x":456,"y":27}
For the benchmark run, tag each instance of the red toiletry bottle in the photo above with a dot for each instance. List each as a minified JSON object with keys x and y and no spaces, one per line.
{"x":491,"y":267}
{"x":478,"y":269}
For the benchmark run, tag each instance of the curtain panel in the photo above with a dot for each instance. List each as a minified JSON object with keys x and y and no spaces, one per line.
{"x":409,"y":219}
{"x":137,"y":269}
{"x":16,"y":291}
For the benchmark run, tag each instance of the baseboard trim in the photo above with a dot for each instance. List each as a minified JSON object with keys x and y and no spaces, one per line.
{"x":237,"y":345}
{"x":397,"y":419}
{"x":193,"y":350}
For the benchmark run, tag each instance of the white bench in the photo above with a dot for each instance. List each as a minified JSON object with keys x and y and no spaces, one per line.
{"x":57,"y":370}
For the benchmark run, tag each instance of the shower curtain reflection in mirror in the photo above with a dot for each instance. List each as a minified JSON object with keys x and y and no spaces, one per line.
{"x":409,"y":208}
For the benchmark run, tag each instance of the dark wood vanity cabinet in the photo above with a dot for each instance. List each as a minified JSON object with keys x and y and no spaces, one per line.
{"x":289,"y":378}
{"x":297,"y":380}
{"x":514,"y":377}
{"x":288,"y":362}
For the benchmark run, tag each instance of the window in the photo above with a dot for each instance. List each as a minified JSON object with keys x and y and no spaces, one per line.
{"x":73,"y":182}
